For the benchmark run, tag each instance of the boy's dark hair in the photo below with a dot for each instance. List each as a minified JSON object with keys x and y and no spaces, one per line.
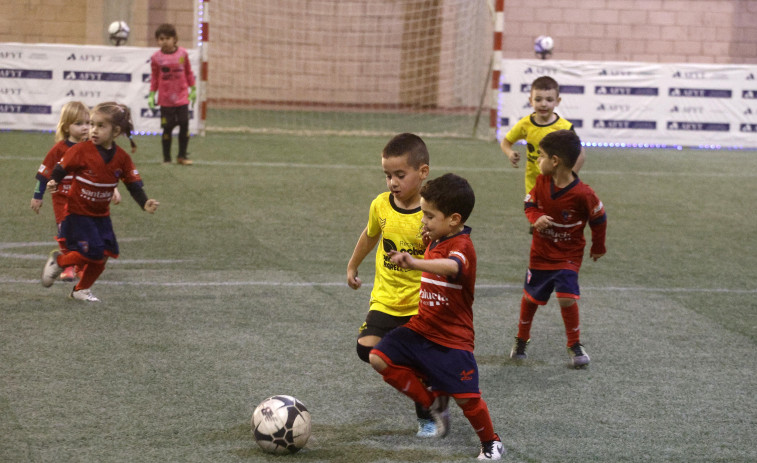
{"x":410,"y":144}
{"x":545,"y":83}
{"x":165,"y":29}
{"x":564,"y":144}
{"x":450,"y":194}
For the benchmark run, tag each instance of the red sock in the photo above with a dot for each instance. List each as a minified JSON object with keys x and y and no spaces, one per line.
{"x":478,"y":415}
{"x":91,"y":273}
{"x":72,"y":258}
{"x":407,"y":382}
{"x":527,"y":312}
{"x":572,"y":325}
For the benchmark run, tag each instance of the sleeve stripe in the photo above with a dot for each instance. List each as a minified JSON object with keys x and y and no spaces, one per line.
{"x":441,"y":283}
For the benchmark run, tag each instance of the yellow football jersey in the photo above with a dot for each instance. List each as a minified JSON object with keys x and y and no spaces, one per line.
{"x":527,"y":129}
{"x":395,"y":288}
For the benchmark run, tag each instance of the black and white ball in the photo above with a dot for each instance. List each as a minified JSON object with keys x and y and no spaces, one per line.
{"x":543,"y":44}
{"x":118,"y":31}
{"x":281,"y":424}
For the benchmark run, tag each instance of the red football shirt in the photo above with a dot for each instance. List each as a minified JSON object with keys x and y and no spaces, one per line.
{"x":59,"y":198}
{"x":561,"y":246}
{"x":94,"y":180}
{"x":445,"y":312}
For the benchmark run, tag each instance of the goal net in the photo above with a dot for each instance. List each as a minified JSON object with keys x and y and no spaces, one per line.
{"x":362,"y":67}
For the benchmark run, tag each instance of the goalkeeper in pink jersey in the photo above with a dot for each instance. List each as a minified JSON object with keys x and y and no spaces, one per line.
{"x":172,"y":78}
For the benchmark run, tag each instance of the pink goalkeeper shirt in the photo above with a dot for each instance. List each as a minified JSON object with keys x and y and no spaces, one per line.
{"x":171,"y":77}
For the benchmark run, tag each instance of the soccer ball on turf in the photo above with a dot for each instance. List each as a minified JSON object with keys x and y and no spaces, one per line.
{"x":118,"y":31}
{"x":281,"y":424}
{"x":543,"y":45}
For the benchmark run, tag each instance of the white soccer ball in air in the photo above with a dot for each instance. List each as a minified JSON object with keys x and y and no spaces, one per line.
{"x":118,"y":31}
{"x":281,"y":424}
{"x":543,"y":44}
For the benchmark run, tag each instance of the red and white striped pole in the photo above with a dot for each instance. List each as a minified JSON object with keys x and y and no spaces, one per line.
{"x":499,"y":28}
{"x":203,"y":34}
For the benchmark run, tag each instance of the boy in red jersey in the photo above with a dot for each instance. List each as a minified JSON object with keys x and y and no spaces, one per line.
{"x":559,"y":206}
{"x":172,"y":78}
{"x":96,"y":167}
{"x":437,"y":343}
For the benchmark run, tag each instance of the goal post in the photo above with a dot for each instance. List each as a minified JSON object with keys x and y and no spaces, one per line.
{"x":353,"y":67}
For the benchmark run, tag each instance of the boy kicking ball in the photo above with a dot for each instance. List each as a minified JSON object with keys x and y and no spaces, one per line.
{"x":437,"y":344}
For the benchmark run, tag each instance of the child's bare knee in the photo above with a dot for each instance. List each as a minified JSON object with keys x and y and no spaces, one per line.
{"x":377,"y":363}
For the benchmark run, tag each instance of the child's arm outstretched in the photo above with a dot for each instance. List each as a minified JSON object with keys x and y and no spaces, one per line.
{"x":139,"y":195}
{"x":364,"y":245}
{"x":444,"y":267}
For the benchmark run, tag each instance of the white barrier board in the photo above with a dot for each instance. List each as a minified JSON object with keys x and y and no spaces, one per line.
{"x":641,"y":104}
{"x":36,"y":80}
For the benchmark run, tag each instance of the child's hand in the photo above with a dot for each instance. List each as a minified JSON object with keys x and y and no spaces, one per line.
{"x":193,"y":95}
{"x":52,"y":186}
{"x":36,"y":205}
{"x":514,"y":157}
{"x":542,"y":223}
{"x":151,"y":206}
{"x":352,"y":279}
{"x":595,"y":255}
{"x":426,"y":237}
{"x":116,"y":198}
{"x":403,"y":259}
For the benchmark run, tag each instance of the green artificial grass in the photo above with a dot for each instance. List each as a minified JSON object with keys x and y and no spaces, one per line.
{"x":235,"y":290}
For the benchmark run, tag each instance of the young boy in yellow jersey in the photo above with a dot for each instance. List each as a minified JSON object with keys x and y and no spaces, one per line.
{"x":545,"y":97}
{"x":395,"y":220}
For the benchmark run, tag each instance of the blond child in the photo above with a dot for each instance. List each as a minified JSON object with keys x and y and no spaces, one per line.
{"x":95,"y":166}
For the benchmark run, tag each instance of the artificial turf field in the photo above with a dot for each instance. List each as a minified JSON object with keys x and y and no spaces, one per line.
{"x":235,"y":290}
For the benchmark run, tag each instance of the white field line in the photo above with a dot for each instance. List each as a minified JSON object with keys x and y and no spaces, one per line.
{"x":744,"y":173}
{"x":51,"y":245}
{"x":298,"y":284}
{"x":319,"y":284}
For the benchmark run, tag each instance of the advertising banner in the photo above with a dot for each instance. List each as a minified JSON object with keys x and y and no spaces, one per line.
{"x":36,"y":80}
{"x":641,"y":104}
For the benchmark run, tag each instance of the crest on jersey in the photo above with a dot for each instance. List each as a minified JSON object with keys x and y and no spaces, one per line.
{"x":84,"y":246}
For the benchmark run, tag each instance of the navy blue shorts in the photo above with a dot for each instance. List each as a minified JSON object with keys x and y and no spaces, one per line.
{"x":450,"y":371}
{"x":540,"y":284}
{"x":92,"y":237}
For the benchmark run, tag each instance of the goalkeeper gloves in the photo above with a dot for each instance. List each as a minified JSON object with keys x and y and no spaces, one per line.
{"x":193,"y":95}
{"x":151,"y":100}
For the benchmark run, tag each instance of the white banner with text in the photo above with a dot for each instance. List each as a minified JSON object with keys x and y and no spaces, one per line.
{"x":641,"y":104}
{"x":36,"y":80}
